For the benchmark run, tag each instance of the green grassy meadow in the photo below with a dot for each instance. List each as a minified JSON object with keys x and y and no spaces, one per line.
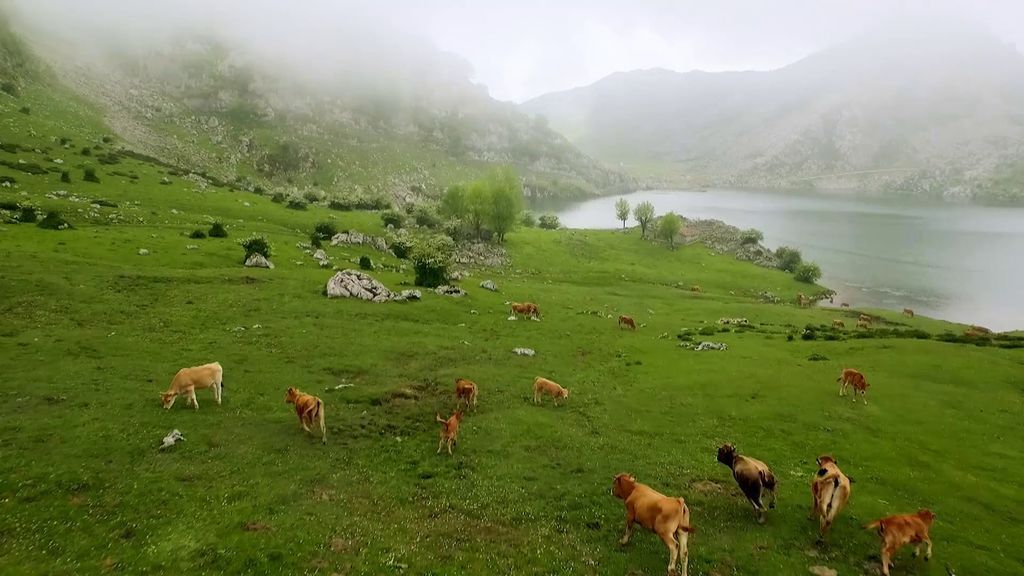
{"x":91,"y":332}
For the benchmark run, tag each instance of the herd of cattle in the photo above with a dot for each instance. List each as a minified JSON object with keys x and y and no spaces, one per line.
{"x":668,"y":517}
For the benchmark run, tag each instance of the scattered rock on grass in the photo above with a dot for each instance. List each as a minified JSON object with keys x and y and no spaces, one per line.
{"x":703,"y":346}
{"x":258,"y":261}
{"x":446,"y":290}
{"x":143,"y":252}
{"x":524,"y":351}
{"x":356,"y":284}
{"x":489,"y":285}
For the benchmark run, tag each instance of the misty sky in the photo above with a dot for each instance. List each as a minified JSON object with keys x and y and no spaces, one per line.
{"x":524,"y":48}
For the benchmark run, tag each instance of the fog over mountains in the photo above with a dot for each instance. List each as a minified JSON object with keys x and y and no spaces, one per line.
{"x":937,"y":112}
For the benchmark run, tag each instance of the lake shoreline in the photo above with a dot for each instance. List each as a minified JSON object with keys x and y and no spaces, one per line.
{"x":943,"y":260}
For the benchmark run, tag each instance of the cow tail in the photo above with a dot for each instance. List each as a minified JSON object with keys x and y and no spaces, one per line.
{"x":686,"y":528}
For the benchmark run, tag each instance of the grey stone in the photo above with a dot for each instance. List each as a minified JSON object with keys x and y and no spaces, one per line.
{"x":489,"y":285}
{"x":258,"y":261}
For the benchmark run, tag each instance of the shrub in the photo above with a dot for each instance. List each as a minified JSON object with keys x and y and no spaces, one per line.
{"x":86,"y":151}
{"x":431,"y":258}
{"x":27,"y":215}
{"x":788,"y":258}
{"x":457,"y":230}
{"x":217,"y":230}
{"x":107,"y":139}
{"x":401,"y":246}
{"x":104,"y":203}
{"x":325,"y":230}
{"x":25,"y":110}
{"x":549,"y":222}
{"x":256,"y":244}
{"x":808,"y":333}
{"x":426,"y":215}
{"x":315,"y":241}
{"x":197,"y":234}
{"x":65,"y":176}
{"x":708,"y":331}
{"x":527,"y":219}
{"x":312,"y":196}
{"x":278,"y":198}
{"x":11,"y":206}
{"x":9,"y":87}
{"x":89,"y":175}
{"x":808,"y":272}
{"x":365,"y":263}
{"x":751,"y":236}
{"x":53,"y":221}
{"x":10,"y":147}
{"x":296,"y":203}
{"x":392,"y":218}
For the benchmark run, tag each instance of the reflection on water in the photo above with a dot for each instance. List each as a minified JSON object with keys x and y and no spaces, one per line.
{"x":956,"y":262}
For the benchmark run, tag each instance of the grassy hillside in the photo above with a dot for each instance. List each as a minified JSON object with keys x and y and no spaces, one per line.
{"x":92,"y":332}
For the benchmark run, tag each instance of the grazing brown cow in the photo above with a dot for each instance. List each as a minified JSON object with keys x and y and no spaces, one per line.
{"x":844,"y":304}
{"x":898,"y":531}
{"x":696,"y":288}
{"x":830,"y":490}
{"x":544,"y":386}
{"x":309,"y":409}
{"x":465,"y":390}
{"x":838,"y":324}
{"x":667,"y":517}
{"x":864,"y":318}
{"x":449,"y":430}
{"x":187,"y":380}
{"x":527,"y":309}
{"x":851,"y":377}
{"x":802,"y":300}
{"x":753,"y":477}
{"x":908,"y":312}
{"x":863,"y":324}
{"x":627,"y":321}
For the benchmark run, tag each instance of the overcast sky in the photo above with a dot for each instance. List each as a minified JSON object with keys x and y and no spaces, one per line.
{"x":524,"y":48}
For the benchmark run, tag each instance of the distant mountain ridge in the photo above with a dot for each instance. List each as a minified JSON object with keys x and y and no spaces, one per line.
{"x":936,"y":113}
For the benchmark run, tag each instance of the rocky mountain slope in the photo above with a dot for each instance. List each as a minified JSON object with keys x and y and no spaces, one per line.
{"x":938,"y":112}
{"x":203,"y":106}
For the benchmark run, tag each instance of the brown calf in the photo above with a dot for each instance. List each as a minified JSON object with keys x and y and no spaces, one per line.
{"x":309,"y":409}
{"x":627,"y":321}
{"x":449,"y":430}
{"x":830,"y":490}
{"x":528,"y":309}
{"x":908,"y":312}
{"x":667,"y":517}
{"x":838,"y":324}
{"x":898,"y":531}
{"x":851,"y":377}
{"x":465,"y":390}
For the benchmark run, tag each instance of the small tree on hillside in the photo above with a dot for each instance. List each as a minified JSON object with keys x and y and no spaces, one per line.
{"x":622,"y":211}
{"x":477,"y":206}
{"x":453,"y":203}
{"x":669,"y":227}
{"x":787,"y":258}
{"x":643,"y":213}
{"x":751,"y":236}
{"x":505,"y":193}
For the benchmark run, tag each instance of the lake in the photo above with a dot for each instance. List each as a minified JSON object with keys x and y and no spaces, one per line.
{"x":957,"y":262}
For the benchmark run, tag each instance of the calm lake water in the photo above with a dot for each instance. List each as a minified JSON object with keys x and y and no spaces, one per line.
{"x":960,"y":263}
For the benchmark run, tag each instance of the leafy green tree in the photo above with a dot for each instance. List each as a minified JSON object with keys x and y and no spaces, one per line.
{"x":669,"y":227}
{"x":527,"y":219}
{"x":622,"y":211}
{"x":477,"y":206}
{"x":453,"y":203}
{"x":787,"y":258}
{"x":808,"y":272}
{"x":505,"y":193}
{"x":643,"y":213}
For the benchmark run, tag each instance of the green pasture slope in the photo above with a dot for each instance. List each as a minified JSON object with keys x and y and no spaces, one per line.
{"x":91,"y":332}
